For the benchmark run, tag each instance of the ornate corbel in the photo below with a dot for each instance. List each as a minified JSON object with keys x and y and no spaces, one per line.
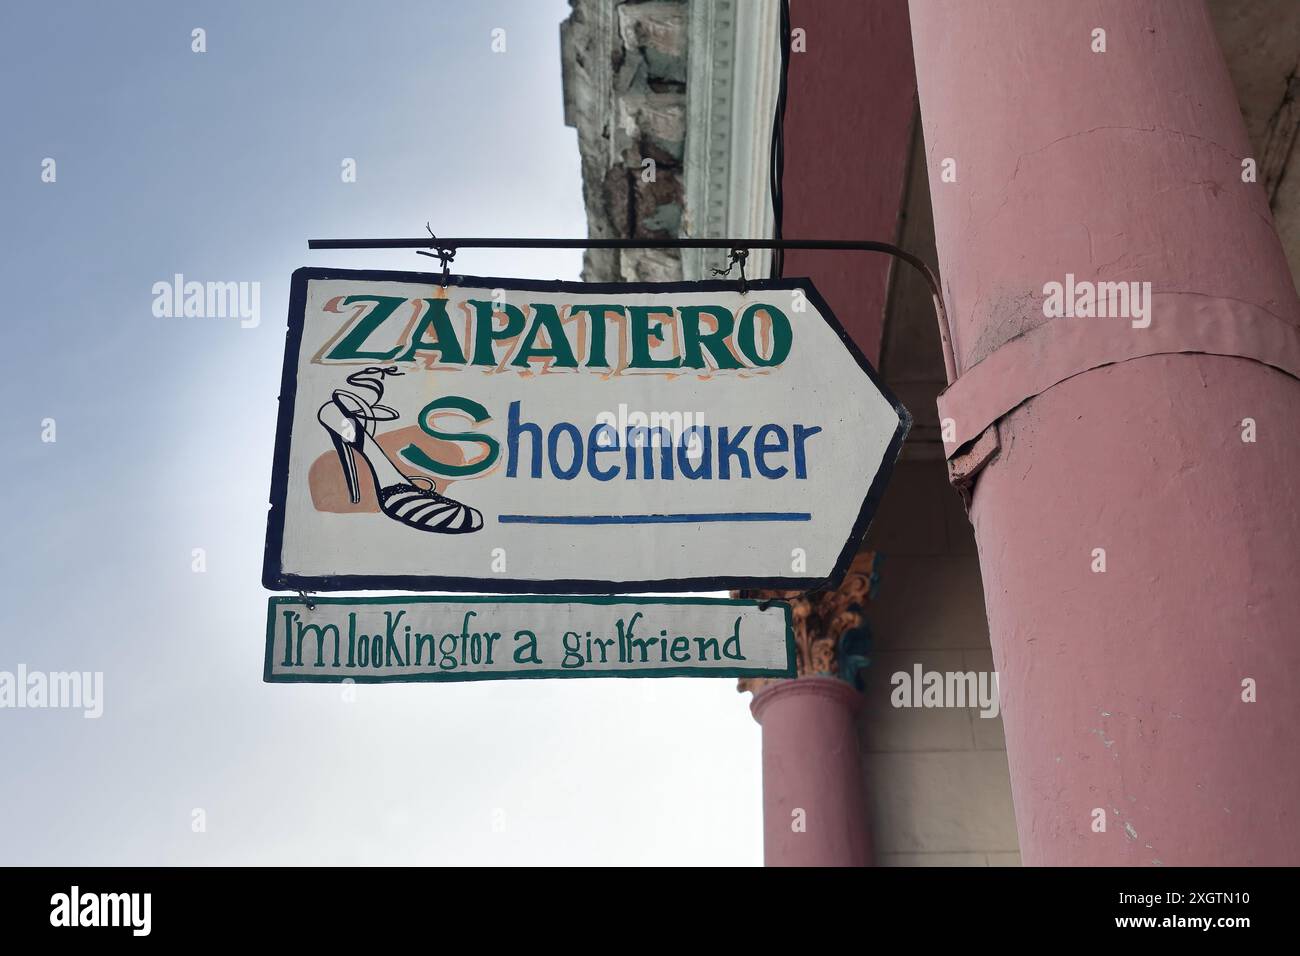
{"x":831,"y":635}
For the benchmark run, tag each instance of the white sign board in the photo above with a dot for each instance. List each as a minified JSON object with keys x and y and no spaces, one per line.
{"x":510,"y":435}
{"x":372,"y":640}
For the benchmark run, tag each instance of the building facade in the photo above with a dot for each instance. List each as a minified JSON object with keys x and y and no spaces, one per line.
{"x":1101,"y":512}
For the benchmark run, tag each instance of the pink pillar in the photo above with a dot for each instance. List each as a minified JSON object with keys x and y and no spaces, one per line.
{"x":1122,"y":689}
{"x":813,"y":811}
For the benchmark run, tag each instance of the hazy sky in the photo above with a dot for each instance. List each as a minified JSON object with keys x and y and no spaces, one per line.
{"x":220,"y":165}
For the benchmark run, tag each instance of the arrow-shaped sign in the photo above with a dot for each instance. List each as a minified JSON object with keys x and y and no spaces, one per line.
{"x":521,"y":436}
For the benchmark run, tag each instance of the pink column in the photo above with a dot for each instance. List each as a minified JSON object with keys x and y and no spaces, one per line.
{"x":813,"y":810}
{"x":1122,"y":688}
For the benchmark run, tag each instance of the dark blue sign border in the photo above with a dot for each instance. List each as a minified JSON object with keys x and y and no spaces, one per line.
{"x":274,"y":577}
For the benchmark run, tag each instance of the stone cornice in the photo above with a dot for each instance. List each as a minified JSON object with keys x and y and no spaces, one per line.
{"x":691,"y":85}
{"x":624,"y":72}
{"x":732,"y":82}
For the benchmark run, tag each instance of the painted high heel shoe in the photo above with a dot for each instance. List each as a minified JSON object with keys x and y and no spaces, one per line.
{"x":350,"y":420}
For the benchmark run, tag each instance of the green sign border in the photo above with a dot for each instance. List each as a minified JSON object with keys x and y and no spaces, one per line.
{"x":275,"y":602}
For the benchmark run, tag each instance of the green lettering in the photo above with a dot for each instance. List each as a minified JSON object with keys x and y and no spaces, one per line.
{"x":546,"y":317}
{"x":444,"y":342}
{"x":478,"y":414}
{"x":782,"y":335}
{"x":598,"y":315}
{"x":641,"y":331}
{"x":485,"y":336}
{"x":349,"y":347}
{"x":715,"y":342}
{"x":527,"y":652}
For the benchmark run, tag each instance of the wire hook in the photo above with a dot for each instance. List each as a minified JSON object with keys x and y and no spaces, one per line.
{"x":736,"y":257}
{"x":444,"y":254}
{"x":306,"y":599}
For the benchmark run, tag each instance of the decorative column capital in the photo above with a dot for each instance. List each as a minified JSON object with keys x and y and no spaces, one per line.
{"x":830,"y":627}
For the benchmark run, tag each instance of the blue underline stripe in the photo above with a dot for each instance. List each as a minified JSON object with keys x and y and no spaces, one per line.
{"x":657,"y":519}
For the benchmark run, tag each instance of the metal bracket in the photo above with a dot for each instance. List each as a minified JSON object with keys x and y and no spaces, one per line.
{"x":736,"y":257}
{"x":447,"y":247}
{"x":444,"y":254}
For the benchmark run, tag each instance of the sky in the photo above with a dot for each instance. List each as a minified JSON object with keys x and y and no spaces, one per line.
{"x":219,"y":165}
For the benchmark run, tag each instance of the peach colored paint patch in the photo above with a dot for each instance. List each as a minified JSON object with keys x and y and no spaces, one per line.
{"x":329,"y":490}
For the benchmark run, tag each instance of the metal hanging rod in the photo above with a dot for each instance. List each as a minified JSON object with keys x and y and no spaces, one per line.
{"x":479,"y":242}
{"x":829,"y":245}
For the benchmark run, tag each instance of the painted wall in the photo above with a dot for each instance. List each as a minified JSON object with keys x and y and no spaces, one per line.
{"x":847,"y":137}
{"x":936,"y":778}
{"x":937,"y":781}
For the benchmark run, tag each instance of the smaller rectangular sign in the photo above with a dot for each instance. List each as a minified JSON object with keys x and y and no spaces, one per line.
{"x":456,"y":638}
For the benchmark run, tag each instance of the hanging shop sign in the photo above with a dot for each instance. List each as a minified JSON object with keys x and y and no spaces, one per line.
{"x":379,"y":639}
{"x":520,"y":436}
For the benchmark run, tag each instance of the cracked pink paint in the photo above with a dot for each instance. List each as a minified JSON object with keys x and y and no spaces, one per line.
{"x":1124,"y":165}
